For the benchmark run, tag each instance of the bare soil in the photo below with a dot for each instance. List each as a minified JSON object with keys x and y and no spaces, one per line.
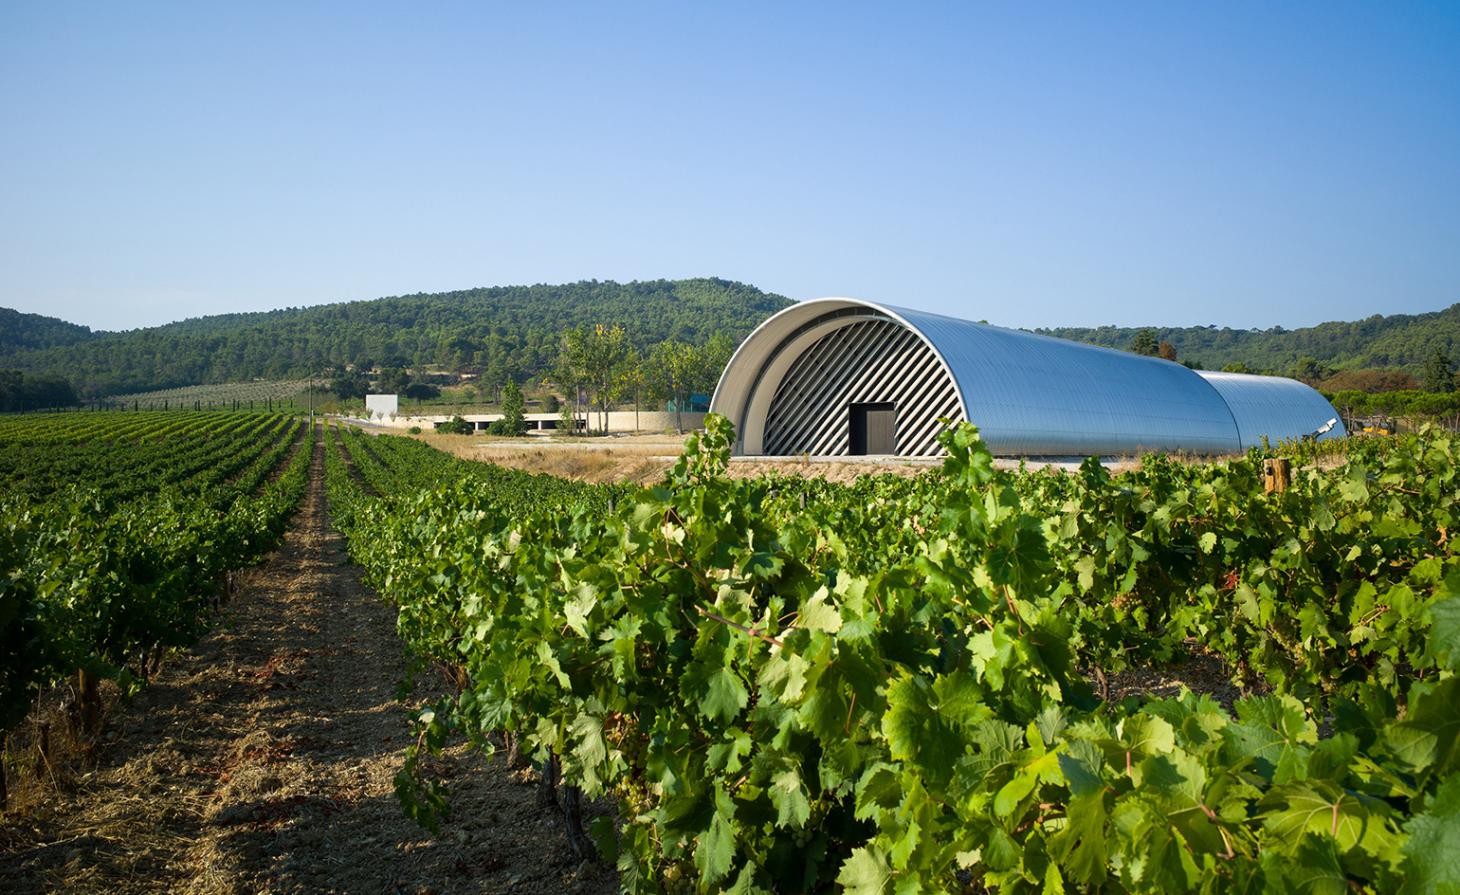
{"x":262,"y":760}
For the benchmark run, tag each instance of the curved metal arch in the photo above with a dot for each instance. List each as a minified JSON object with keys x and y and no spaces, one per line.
{"x":1274,"y":407}
{"x":1030,"y":394}
{"x":773,"y":337}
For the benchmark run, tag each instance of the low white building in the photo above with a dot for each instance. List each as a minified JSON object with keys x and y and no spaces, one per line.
{"x":619,"y":421}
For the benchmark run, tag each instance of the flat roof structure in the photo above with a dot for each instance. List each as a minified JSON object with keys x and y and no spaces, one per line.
{"x":842,"y":376}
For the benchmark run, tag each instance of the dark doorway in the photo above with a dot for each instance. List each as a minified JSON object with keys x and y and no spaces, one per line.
{"x":874,"y":429}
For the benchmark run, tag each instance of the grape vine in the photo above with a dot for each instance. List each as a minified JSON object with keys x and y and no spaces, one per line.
{"x":794,"y":686}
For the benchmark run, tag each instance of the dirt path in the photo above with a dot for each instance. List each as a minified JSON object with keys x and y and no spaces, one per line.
{"x":262,"y":761}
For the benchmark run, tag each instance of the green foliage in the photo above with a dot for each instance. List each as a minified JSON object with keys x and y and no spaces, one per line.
{"x":1398,"y":341}
{"x":421,"y":391}
{"x":1144,"y":342}
{"x":19,"y":331}
{"x":591,"y":363}
{"x":1412,"y":404}
{"x":675,"y":371}
{"x":789,"y":685}
{"x":350,"y":387}
{"x":513,"y":422}
{"x":1439,"y":372}
{"x":455,"y":426}
{"x":504,"y":332}
{"x":19,"y":392}
{"x":117,"y":528}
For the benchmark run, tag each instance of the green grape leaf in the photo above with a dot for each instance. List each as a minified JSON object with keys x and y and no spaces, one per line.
{"x":716,"y":848}
{"x":917,"y":732}
{"x":1315,"y":868}
{"x":1291,"y":810}
{"x":1432,"y":853}
{"x":1080,"y":846}
{"x":1426,"y":739}
{"x":577,"y":608}
{"x":865,"y":872}
{"x":818,"y":614}
{"x":1444,"y":640}
{"x":717,"y":691}
{"x":789,"y":798}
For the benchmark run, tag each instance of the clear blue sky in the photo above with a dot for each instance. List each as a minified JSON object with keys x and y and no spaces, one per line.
{"x":1071,"y":164}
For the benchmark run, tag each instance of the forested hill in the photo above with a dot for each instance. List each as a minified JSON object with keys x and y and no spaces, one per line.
{"x":1402,"y":341}
{"x":514,"y":329}
{"x":22,"y":331}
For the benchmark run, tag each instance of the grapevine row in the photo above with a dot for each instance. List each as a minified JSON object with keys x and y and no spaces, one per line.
{"x":789,"y":687}
{"x":97,"y":588}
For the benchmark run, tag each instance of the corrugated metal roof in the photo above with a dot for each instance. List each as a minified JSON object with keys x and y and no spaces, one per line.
{"x":1035,"y":395}
{"x":1273,"y":406}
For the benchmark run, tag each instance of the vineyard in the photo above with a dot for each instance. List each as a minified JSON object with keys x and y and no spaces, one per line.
{"x":900,"y":685}
{"x":258,"y":395}
{"x":117,"y":534}
{"x":782,"y":684}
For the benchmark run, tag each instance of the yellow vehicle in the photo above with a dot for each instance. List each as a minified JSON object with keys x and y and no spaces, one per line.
{"x":1378,"y":425}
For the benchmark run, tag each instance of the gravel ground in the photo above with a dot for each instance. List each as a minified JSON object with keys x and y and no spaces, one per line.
{"x":1201,"y":673}
{"x":262,"y":760}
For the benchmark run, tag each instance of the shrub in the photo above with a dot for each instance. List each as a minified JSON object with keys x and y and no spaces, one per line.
{"x":454,"y":426}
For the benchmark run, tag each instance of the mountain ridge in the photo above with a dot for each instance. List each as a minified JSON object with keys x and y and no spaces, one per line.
{"x":510,"y":330}
{"x":514,"y":330}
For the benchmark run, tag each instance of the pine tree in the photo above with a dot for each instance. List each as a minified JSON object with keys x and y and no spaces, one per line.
{"x":1439,"y":377}
{"x":1145,"y":343}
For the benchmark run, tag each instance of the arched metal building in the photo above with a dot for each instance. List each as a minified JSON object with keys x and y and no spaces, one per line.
{"x":839,"y":376}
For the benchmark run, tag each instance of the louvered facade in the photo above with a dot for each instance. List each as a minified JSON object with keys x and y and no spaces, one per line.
{"x":834,"y":377}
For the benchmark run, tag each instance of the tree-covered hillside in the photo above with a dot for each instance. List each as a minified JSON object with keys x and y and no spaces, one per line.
{"x":514,"y":330}
{"x":20,"y":331}
{"x":1400,"y":341}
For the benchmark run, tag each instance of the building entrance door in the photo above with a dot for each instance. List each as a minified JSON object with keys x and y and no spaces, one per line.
{"x":874,"y":429}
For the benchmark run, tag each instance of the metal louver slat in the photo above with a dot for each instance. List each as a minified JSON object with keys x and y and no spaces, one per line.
{"x":861,"y":362}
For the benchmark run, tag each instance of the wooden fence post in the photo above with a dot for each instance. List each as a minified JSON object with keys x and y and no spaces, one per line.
{"x":1276,"y":474}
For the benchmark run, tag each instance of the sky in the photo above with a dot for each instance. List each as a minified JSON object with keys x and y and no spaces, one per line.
{"x":1028,"y":164}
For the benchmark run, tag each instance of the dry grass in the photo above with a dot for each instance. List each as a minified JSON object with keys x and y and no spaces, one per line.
{"x":644,"y":459}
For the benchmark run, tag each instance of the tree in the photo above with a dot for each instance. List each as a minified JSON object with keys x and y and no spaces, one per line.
{"x":676,"y":368}
{"x":1236,"y":366}
{"x":513,"y":422}
{"x":1308,"y":369}
{"x":630,"y":381}
{"x":591,"y":359}
{"x":1371,"y":381}
{"x":19,"y":392}
{"x":1166,"y":351}
{"x":607,"y":350}
{"x":714,"y":356}
{"x":422,"y":391}
{"x":350,"y":386}
{"x":1439,"y":374}
{"x":568,"y":419}
{"x":393,"y":381}
{"x":1145,"y":343}
{"x":571,"y":371}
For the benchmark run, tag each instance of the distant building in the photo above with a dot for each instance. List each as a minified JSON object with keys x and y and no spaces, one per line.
{"x":696,"y":403}
{"x":382,"y":407}
{"x":839,"y":376}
